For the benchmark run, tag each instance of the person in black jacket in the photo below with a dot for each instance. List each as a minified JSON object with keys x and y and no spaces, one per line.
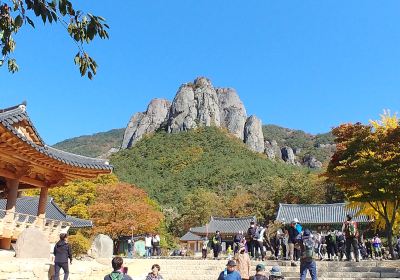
{"x":62,"y":252}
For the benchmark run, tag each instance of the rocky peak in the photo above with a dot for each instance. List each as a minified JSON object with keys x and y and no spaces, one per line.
{"x":288,"y":155}
{"x":253,"y":135}
{"x":146,"y":122}
{"x":232,"y":111}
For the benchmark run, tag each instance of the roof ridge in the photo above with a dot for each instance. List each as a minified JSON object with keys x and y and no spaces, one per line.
{"x":19,"y":106}
{"x":99,"y":160}
{"x":313,"y":204}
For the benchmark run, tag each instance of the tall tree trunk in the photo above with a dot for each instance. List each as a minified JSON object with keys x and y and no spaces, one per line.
{"x":389,"y":235}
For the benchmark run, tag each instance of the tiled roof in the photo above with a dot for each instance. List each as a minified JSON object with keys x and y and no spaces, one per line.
{"x":190,"y":237}
{"x":317,"y":213}
{"x":15,"y":114}
{"x":225,"y":225}
{"x":29,"y":205}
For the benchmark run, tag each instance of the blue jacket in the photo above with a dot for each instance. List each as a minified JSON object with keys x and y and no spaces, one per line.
{"x":226,"y":275}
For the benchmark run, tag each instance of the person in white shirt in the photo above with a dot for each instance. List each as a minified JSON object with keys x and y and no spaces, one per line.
{"x":147,"y":245}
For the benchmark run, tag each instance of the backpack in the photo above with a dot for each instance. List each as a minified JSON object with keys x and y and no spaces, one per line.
{"x":308,"y":248}
{"x":351,"y":229}
{"x":333,"y":237}
{"x":256,"y":234}
{"x":116,"y":276}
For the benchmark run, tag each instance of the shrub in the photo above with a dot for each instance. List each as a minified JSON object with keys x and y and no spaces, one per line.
{"x":79,"y":244}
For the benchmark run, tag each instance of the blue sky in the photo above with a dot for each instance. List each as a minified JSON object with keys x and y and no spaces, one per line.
{"x":307,"y":65}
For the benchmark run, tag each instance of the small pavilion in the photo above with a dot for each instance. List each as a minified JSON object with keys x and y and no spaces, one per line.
{"x":26,"y":162}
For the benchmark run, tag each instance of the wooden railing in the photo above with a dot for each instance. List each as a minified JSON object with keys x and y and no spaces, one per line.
{"x":12,"y":224}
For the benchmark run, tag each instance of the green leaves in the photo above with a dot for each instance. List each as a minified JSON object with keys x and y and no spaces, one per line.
{"x":83,"y":28}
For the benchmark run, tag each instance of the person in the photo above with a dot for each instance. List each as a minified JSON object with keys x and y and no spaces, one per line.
{"x":351,"y":232}
{"x":237,"y":239}
{"x":251,"y":232}
{"x":229,"y":252}
{"x":260,"y":273}
{"x":307,"y":261}
{"x":62,"y":252}
{"x":368,"y":246}
{"x":216,"y":244}
{"x":275,"y":273}
{"x":377,"y":244}
{"x":130,"y":248}
{"x":155,"y":273}
{"x":398,"y":246}
{"x":155,"y":243}
{"x":285,"y":244}
{"x":147,"y":245}
{"x":340,"y":243}
{"x":331,"y":245}
{"x":118,"y":268}
{"x":260,"y":241}
{"x":243,"y":263}
{"x":293,"y":233}
{"x":204,"y":249}
{"x":230,"y":272}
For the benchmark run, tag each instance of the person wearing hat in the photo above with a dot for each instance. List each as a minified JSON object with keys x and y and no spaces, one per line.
{"x":230,"y":272}
{"x":243,"y":262}
{"x":351,"y":233}
{"x":293,"y":233}
{"x":260,"y":273}
{"x":275,"y":273}
{"x":307,"y":261}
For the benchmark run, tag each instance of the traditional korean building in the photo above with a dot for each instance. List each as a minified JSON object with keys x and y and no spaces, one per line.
{"x":26,"y":162}
{"x":227,"y":226}
{"x":319,"y":217}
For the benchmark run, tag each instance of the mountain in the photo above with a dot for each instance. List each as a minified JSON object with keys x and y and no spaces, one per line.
{"x":93,"y":145}
{"x":171,"y":165}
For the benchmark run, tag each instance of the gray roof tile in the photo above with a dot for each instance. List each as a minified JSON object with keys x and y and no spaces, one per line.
{"x":190,"y":237}
{"x":29,"y":205}
{"x":317,"y":213}
{"x":15,"y":114}
{"x":225,"y":225}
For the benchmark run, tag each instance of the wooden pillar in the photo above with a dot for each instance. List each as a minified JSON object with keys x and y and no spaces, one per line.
{"x":8,"y":221}
{"x":41,"y":212}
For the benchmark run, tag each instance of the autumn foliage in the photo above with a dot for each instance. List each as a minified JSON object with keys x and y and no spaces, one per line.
{"x":366,"y":166}
{"x":119,"y":208}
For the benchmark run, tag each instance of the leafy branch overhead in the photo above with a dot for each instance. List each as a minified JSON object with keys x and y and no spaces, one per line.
{"x":81,"y":27}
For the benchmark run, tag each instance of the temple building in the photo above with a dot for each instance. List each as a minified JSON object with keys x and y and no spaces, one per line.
{"x":319,"y":217}
{"x":26,"y":162}
{"x":228,"y":227}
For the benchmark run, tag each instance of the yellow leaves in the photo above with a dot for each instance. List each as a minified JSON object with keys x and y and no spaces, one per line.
{"x":387,"y":121}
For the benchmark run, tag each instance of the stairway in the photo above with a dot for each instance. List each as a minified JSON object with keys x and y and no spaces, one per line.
{"x":185,"y":269}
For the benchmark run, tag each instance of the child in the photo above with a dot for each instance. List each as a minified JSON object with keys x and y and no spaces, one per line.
{"x":229,"y":252}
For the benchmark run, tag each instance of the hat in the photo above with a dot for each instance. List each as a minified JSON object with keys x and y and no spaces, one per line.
{"x":295,"y":221}
{"x":307,"y":232}
{"x":231,"y":263}
{"x":260,"y":267}
{"x":275,"y":271}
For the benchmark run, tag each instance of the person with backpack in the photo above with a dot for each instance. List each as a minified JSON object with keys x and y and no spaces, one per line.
{"x":62,"y":252}
{"x":230,"y":273}
{"x":216,"y":244}
{"x":351,"y":232}
{"x":307,"y":261}
{"x":331,"y":245}
{"x":118,"y":270}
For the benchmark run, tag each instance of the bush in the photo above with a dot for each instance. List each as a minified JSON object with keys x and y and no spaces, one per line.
{"x":79,"y":244}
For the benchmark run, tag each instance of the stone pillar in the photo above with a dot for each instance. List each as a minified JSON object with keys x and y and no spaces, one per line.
{"x":41,"y":212}
{"x":8,"y":221}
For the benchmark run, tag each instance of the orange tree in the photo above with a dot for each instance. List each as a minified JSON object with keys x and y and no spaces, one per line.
{"x":119,"y":208}
{"x":366,"y":166}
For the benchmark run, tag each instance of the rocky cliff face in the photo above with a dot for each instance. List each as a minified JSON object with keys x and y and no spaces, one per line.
{"x":232,"y":111}
{"x":147,"y":122}
{"x":253,"y":135}
{"x":201,"y":104}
